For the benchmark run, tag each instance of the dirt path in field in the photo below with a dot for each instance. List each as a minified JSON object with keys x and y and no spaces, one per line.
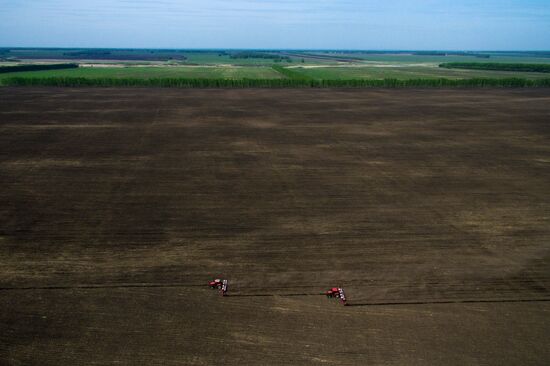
{"x":430,"y":207}
{"x":367,"y":64}
{"x":164,"y":65}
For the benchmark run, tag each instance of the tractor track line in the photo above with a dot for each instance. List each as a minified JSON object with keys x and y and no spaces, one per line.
{"x":273,"y":295}
{"x":145,"y":285}
{"x":449,"y":302}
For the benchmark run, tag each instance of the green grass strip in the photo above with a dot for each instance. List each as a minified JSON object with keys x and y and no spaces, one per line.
{"x":290,"y":73}
{"x":497,"y":66}
{"x":270,"y":83}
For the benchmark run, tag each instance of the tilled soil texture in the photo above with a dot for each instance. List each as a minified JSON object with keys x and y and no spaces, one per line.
{"x":430,"y":207}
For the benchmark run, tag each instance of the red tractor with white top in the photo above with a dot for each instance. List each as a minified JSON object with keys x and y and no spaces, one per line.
{"x":221,"y":285}
{"x":337,"y":293}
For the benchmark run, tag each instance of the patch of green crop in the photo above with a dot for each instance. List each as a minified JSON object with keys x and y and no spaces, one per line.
{"x":269,"y":83}
{"x":404,"y":73}
{"x":156,"y":72}
{"x":497,"y":66}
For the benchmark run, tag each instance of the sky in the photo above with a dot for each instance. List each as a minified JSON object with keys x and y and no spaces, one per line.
{"x":287,"y":24}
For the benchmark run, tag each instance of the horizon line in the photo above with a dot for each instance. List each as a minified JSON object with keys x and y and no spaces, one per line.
{"x":274,"y":49}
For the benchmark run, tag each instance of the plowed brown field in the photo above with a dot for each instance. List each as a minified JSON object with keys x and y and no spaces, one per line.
{"x":430,"y":207}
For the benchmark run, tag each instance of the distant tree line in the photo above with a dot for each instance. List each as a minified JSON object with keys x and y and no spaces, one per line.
{"x":497,"y":66}
{"x":36,"y":67}
{"x":539,"y":53}
{"x":262,"y":55}
{"x":454,"y":53}
{"x":87,"y":53}
{"x":270,"y":83}
{"x":127,"y":55}
{"x":542,"y":54}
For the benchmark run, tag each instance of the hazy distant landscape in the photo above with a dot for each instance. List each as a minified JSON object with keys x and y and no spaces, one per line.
{"x":314,"y":66}
{"x":428,"y":206}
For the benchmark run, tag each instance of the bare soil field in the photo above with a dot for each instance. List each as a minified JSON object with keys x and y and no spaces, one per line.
{"x":430,"y":207}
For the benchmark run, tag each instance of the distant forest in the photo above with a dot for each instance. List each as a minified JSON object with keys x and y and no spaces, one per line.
{"x":263,"y":55}
{"x":37,"y":67}
{"x":442,"y":53}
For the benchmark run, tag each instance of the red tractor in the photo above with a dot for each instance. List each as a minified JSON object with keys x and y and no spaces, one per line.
{"x":337,"y":293}
{"x":221,"y":285}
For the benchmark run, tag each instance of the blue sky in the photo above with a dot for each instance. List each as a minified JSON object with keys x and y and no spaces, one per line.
{"x":335,"y":24}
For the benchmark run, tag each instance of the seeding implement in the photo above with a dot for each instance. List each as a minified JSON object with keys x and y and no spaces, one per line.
{"x":221,"y":285}
{"x":337,"y":293}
